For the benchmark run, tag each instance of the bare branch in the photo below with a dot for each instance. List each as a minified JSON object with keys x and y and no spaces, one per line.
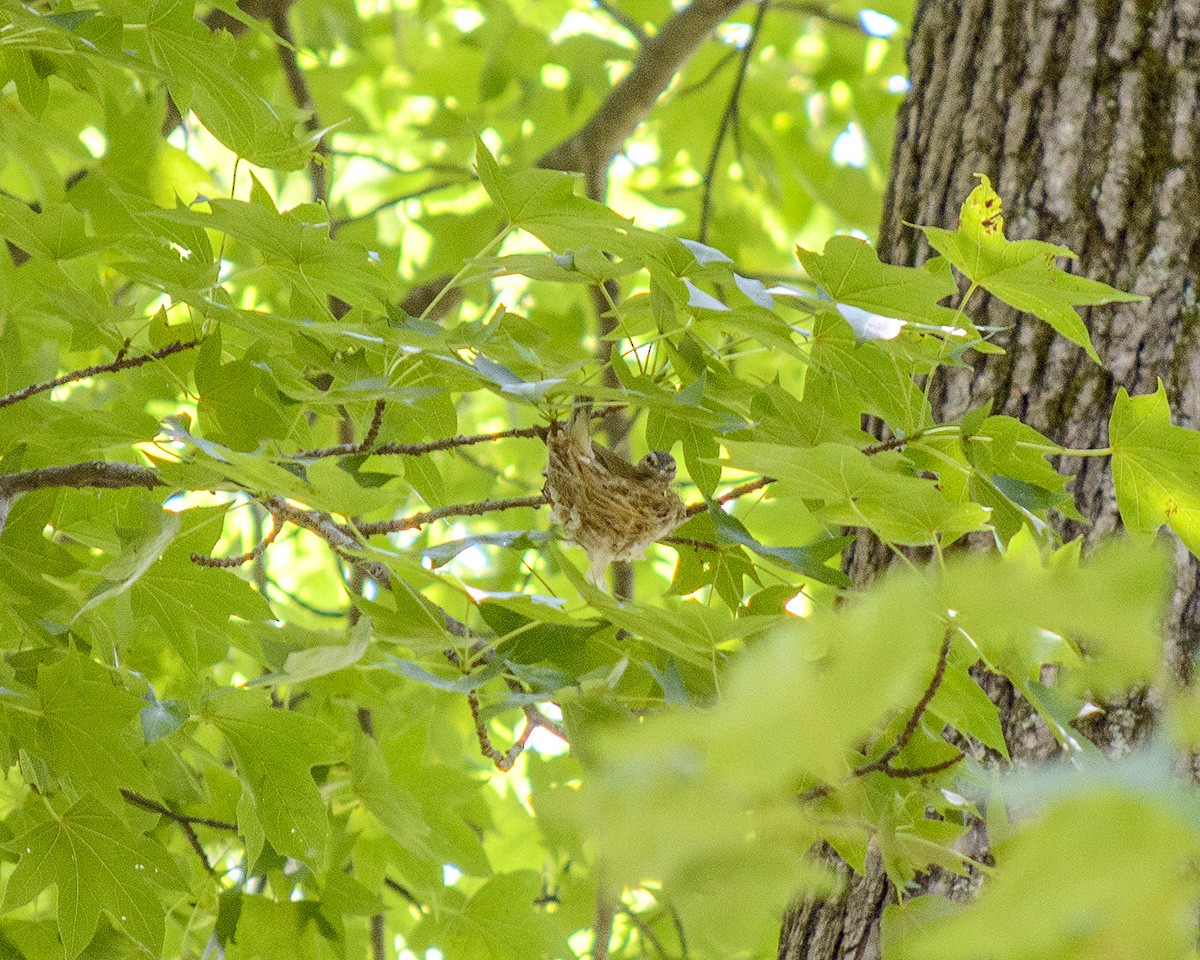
{"x":733,"y":494}
{"x":818,"y":11}
{"x":376,"y":422}
{"x":186,"y":823}
{"x":402,"y":198}
{"x":728,"y":122}
{"x":93,"y":473}
{"x":503,"y":761}
{"x":226,"y":562}
{"x":661,"y":57}
{"x":622,"y":19}
{"x":340,"y":540}
{"x":418,"y":449}
{"x":689,"y":542}
{"x":894,"y":444}
{"x":122,"y":362}
{"x":454,"y":510}
{"x":277,"y":15}
{"x":883,"y":762}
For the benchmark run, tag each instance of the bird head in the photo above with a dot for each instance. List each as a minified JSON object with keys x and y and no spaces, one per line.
{"x":658,"y":464}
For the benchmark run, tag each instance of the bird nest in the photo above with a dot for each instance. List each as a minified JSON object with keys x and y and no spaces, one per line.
{"x":612,"y":508}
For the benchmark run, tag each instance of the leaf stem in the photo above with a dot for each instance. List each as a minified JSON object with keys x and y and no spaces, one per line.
{"x":492,"y":246}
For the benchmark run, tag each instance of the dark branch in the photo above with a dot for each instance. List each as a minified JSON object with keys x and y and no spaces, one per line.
{"x":728,"y":122}
{"x":121,"y":363}
{"x":733,"y":494}
{"x":883,"y":763}
{"x":277,"y":14}
{"x":376,"y":422}
{"x":817,"y":11}
{"x":186,"y":823}
{"x":661,"y":57}
{"x":622,"y":19}
{"x":894,"y":444}
{"x":404,"y":197}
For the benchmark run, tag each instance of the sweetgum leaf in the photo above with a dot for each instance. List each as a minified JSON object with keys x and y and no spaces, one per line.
{"x":274,"y":751}
{"x":1022,"y":272}
{"x":97,"y":863}
{"x":1156,"y":468}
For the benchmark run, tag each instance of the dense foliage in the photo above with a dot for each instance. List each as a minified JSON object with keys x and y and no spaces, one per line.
{"x":293,"y":656}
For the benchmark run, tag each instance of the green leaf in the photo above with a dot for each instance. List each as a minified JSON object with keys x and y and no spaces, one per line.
{"x":809,"y":561}
{"x":136,"y":558}
{"x":1022,"y":611}
{"x":97,"y":863}
{"x":850,"y":271}
{"x":203,"y":76}
{"x":274,"y":750}
{"x":856,"y":490}
{"x":1021,"y":273}
{"x":86,"y":732}
{"x":496,"y":921}
{"x":1156,"y":468}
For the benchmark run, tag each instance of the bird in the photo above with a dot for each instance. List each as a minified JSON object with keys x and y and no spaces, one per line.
{"x":612,"y":508}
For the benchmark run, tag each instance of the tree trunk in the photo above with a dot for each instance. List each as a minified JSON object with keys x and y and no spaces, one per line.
{"x":1086,"y":116}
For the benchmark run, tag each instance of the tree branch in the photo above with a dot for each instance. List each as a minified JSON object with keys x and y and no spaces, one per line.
{"x":733,"y":494}
{"x":454,"y":510}
{"x":622,"y":19}
{"x":186,"y":823}
{"x":259,"y":549}
{"x":592,"y":147}
{"x":121,"y":363}
{"x":884,"y":761}
{"x":277,"y":15}
{"x":93,"y":473}
{"x":416,"y":449}
{"x":728,"y":121}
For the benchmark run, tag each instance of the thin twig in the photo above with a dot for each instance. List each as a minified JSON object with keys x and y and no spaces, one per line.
{"x":817,"y":11}
{"x":503,"y":761}
{"x":382,"y":205}
{"x":204,"y":560}
{"x":186,"y":823}
{"x":728,"y":122}
{"x":713,"y":72}
{"x":883,"y":762}
{"x":622,"y":19}
{"x":690,"y":542}
{"x":894,"y":444}
{"x":591,"y":148}
{"x":417,"y":449}
{"x":340,"y":540}
{"x":404,"y":892}
{"x":277,"y":14}
{"x":454,"y":510}
{"x":376,"y":422}
{"x":122,"y":362}
{"x":733,"y":494}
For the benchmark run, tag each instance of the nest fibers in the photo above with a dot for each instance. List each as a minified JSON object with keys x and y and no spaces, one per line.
{"x":612,"y":508}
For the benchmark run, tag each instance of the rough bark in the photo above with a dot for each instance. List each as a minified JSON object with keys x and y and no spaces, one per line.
{"x":1086,"y":116}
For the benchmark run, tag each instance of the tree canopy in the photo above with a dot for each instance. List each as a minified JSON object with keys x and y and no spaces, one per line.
{"x":291,"y":300}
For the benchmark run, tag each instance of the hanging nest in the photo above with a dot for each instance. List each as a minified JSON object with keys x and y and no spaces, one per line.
{"x":612,"y":508}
